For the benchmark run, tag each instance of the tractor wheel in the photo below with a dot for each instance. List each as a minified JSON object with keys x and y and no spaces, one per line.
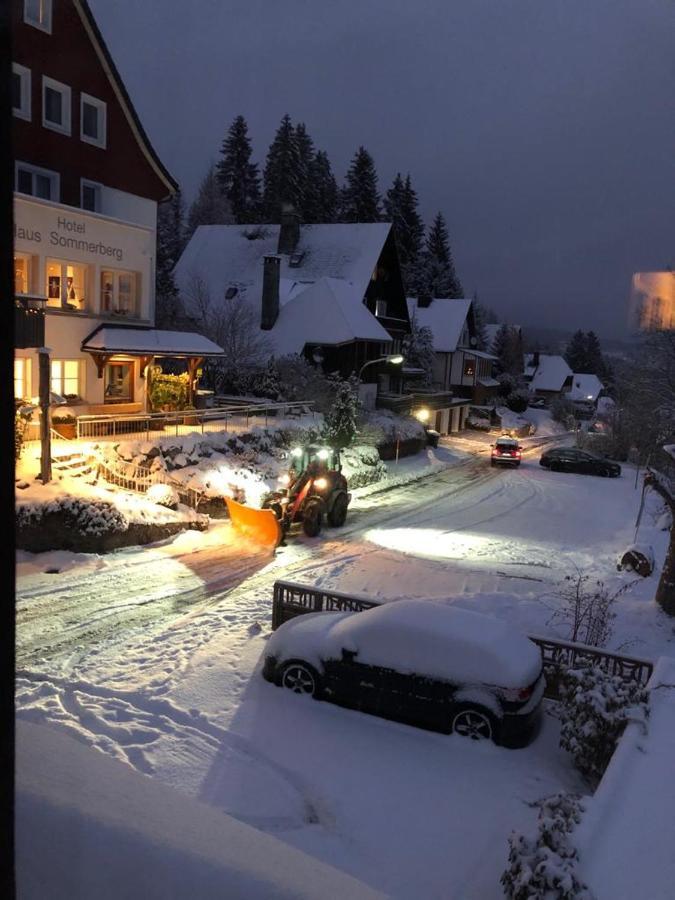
{"x":312,"y":518}
{"x":338,"y":511}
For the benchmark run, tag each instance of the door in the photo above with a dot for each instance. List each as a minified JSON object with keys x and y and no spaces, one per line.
{"x":353,"y":683}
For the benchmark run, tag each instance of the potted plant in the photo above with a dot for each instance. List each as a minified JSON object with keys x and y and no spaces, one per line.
{"x":66,"y":426}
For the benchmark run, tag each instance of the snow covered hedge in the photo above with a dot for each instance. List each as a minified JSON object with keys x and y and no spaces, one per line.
{"x":544,"y":868}
{"x":163,"y":495}
{"x":362,"y":465}
{"x":595,"y":708}
{"x":87,"y":517}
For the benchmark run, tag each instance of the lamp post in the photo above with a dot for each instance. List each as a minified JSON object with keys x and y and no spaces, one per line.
{"x":395,"y":359}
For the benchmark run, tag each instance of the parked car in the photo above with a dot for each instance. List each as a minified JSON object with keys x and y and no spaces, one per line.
{"x":424,"y":662}
{"x":506,"y":451}
{"x":571,"y":459}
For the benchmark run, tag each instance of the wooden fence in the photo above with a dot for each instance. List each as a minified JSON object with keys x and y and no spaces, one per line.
{"x":291,"y":599}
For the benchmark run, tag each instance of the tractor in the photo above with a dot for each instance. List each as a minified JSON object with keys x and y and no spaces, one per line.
{"x":314,"y":487}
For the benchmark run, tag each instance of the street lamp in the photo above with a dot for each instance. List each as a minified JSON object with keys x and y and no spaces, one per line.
{"x":395,"y":359}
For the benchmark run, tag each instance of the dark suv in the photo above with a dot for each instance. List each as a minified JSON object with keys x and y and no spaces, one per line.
{"x":570,"y":459}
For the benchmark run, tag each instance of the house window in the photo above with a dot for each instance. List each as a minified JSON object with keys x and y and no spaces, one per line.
{"x":21,"y":378}
{"x":55,"y":105}
{"x":37,"y":182}
{"x":469,"y":368}
{"x":65,"y":379}
{"x":66,"y":285}
{"x":39,"y":14}
{"x":119,"y":382}
{"x":21,"y":273}
{"x":90,"y":196}
{"x":92,"y":120}
{"x":381,"y":308}
{"x":21,"y":91}
{"x":119,"y":292}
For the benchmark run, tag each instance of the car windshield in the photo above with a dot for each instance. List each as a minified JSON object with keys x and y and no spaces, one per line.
{"x":509,"y":444}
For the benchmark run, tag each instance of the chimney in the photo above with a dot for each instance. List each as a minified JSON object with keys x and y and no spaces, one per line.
{"x":270,"y":292}
{"x":289,"y":232}
{"x":424,"y":299}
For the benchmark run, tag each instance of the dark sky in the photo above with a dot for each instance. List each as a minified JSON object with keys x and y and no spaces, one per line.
{"x":543,"y":129}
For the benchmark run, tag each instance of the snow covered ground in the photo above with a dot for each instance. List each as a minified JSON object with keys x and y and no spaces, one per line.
{"x":152,"y":657}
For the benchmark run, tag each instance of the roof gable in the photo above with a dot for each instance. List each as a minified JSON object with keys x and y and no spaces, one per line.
{"x":550,"y":374}
{"x":446,"y":319}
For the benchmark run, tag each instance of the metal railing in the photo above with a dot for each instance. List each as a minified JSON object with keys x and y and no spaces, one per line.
{"x":135,"y":478}
{"x":221,"y":418}
{"x":291,"y":599}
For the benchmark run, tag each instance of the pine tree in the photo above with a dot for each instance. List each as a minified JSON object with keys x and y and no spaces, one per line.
{"x":575,"y":354}
{"x":339,"y":428}
{"x":324,"y":191}
{"x":360,"y":201}
{"x":418,"y":350}
{"x":507,"y":348}
{"x":170,"y":243}
{"x":237,"y":175}
{"x":283,"y":172}
{"x":400,"y":206}
{"x":306,"y":154}
{"x":438,"y":268}
{"x":211,"y":206}
{"x":479,"y":314}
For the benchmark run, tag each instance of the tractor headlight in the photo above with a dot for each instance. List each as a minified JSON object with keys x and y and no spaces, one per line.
{"x":296,"y":451}
{"x":285,"y":478}
{"x":320,"y":483}
{"x":323,"y":454}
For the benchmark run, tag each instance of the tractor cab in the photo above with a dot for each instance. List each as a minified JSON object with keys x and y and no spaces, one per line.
{"x":313,"y":459}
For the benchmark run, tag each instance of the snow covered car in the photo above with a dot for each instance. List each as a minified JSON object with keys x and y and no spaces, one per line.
{"x":506,"y":451}
{"x":424,"y":662}
{"x":570,"y":459}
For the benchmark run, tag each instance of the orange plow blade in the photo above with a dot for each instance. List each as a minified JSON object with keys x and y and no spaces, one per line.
{"x":259,"y":525}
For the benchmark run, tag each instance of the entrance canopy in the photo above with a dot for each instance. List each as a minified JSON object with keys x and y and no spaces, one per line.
{"x":110,"y":339}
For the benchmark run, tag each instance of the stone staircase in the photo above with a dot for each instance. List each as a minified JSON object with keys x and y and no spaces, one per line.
{"x":75,"y":465}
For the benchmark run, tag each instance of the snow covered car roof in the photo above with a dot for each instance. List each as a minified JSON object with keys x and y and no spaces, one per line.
{"x":426,"y":637}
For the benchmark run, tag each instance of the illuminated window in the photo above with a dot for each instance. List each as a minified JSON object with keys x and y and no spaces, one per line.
{"x":38,"y":13}
{"x":20,"y":378}
{"x":21,"y":91}
{"x":65,"y":377}
{"x":66,"y":285}
{"x":21,"y":273}
{"x":55,"y":105}
{"x":469,"y":367}
{"x":119,"y":292}
{"x":119,"y":382}
{"x":92,"y":120}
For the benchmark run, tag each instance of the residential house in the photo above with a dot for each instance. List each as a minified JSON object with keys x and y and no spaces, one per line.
{"x":586,"y":388}
{"x":87,"y":185}
{"x":547,"y":375}
{"x":331,"y":292}
{"x":462,"y":374}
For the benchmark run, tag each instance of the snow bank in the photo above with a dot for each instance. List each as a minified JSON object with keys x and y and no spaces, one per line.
{"x":89,"y":826}
{"x":625,"y":837}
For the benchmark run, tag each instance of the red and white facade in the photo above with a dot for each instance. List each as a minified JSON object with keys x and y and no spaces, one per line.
{"x":87,"y":185}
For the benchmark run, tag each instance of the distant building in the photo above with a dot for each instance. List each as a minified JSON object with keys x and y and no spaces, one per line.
{"x":652,"y":303}
{"x":547,"y":375}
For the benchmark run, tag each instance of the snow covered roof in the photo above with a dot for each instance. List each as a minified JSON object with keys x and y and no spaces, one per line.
{"x":232,"y":257}
{"x":488,"y":382}
{"x":585,"y":387}
{"x":149,"y":342}
{"x":330,"y":311}
{"x":445,"y":318}
{"x":549,"y":375}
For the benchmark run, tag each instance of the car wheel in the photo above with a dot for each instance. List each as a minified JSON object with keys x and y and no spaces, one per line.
{"x":301,"y":678}
{"x":474,"y":723}
{"x":605,"y":473}
{"x":338,"y":512}
{"x":555,"y":467}
{"x":312,"y":518}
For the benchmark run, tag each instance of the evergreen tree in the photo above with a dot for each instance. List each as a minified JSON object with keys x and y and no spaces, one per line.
{"x":360,"y":201}
{"x":283,"y":172}
{"x":418,"y":350}
{"x":211,"y":206}
{"x":237,"y":175}
{"x":575,"y":354}
{"x":594,"y":359}
{"x":400,"y":206}
{"x":306,"y":155}
{"x":323,"y":196}
{"x":268,"y":383}
{"x":438,"y":268}
{"x":339,"y":428}
{"x":507,"y":347}
{"x":170,"y":243}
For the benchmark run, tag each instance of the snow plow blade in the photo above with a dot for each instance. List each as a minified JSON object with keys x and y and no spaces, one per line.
{"x":260,"y":525}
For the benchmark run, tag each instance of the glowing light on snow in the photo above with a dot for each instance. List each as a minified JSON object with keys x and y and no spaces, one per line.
{"x":422,"y":414}
{"x":431,"y":543}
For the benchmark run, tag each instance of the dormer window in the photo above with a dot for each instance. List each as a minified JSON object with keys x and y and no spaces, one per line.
{"x":295,"y":260}
{"x":381,"y":309}
{"x":38,"y":13}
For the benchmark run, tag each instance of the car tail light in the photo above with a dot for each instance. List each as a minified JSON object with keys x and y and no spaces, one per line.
{"x":516,"y":694}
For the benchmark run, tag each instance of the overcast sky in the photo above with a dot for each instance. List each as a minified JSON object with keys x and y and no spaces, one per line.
{"x":544,"y":130}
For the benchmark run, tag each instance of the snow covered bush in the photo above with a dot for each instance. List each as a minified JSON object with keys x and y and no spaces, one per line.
{"x":339,"y":426}
{"x":163,"y":495}
{"x":362,"y":465}
{"x":544,"y":868}
{"x":584,"y":606}
{"x":89,"y":517}
{"x":23,"y":413}
{"x":517,"y":401}
{"x":562,"y":411}
{"x":595,"y":708}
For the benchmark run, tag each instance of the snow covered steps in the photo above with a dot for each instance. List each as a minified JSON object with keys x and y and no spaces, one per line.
{"x":75,"y":465}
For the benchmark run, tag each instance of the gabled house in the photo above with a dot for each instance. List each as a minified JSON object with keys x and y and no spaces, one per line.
{"x":331,"y":292}
{"x":547,"y":375}
{"x":586,"y":388}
